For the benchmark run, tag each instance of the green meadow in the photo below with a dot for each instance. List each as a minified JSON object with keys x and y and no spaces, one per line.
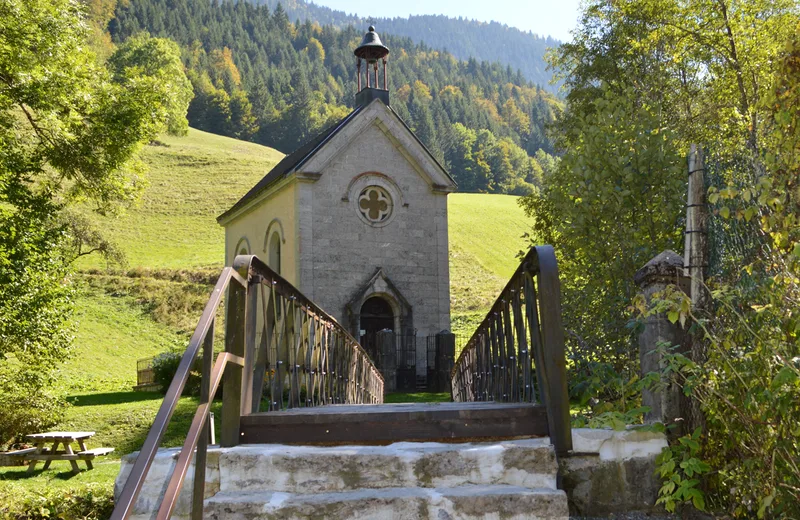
{"x":190,"y":181}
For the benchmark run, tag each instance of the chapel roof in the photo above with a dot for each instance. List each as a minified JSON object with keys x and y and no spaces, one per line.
{"x":291,"y":162}
{"x":295,"y":160}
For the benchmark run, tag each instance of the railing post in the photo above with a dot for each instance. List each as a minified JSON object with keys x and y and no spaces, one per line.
{"x":445,"y":357}
{"x":667,"y":402}
{"x":250,"y":402}
{"x":555,"y":363}
{"x":232,"y":382}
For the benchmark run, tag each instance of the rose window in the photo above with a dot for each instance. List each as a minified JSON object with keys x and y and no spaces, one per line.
{"x":375,"y":204}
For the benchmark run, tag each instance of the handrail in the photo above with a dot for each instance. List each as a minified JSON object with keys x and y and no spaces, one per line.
{"x":334,"y":368}
{"x":195,"y":431}
{"x":257,"y":267}
{"x":306,"y":344}
{"x":127,"y":498}
{"x":521,"y":336}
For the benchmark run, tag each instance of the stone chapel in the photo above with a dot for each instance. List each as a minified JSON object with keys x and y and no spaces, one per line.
{"x":357,"y":217}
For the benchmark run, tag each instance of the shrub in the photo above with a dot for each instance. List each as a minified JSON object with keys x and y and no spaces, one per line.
{"x":89,"y":502}
{"x":165,"y":366}
{"x":27,"y":403}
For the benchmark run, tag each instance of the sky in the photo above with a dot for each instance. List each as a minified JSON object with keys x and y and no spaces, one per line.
{"x":554,"y":17}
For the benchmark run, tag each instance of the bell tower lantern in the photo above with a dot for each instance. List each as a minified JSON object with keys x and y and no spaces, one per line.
{"x":369,"y":53}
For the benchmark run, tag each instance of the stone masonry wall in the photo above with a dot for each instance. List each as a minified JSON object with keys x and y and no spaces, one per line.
{"x":612,"y":472}
{"x":340,"y":251}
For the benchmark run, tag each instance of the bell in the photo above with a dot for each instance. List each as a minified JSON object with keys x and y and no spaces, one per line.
{"x":371,"y":48}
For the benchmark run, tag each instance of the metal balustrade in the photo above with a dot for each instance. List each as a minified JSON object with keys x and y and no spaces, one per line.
{"x":517,"y":352}
{"x":281,"y":351}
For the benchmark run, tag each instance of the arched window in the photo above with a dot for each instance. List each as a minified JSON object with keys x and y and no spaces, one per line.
{"x":275,"y":252}
{"x":242,"y":247}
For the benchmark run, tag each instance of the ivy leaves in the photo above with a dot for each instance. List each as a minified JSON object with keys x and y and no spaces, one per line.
{"x":680,"y":467}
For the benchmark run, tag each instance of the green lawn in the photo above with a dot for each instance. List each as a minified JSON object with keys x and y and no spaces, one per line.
{"x":57,"y":493}
{"x":419,"y":397}
{"x":122,"y":419}
{"x":111,"y":334}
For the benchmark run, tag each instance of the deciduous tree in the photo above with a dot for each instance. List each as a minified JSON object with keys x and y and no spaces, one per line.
{"x":70,"y":128}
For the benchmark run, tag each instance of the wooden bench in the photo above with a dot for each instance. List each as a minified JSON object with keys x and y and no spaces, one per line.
{"x":88,"y":455}
{"x":21,"y":453}
{"x":15,"y":458}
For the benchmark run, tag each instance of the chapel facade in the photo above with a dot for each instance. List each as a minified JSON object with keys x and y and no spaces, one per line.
{"x":357,"y":217}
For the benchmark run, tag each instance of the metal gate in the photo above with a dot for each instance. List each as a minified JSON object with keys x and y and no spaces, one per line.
{"x":406,"y":363}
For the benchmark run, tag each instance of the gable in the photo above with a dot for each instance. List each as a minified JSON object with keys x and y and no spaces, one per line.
{"x":313,"y":156}
{"x":378,"y":117}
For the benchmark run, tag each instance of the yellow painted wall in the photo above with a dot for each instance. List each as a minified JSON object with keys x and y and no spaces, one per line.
{"x":279,"y":204}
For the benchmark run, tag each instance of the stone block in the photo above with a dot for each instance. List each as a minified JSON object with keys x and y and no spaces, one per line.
{"x":612,"y":471}
{"x":278,"y":481}
{"x":155,"y":484}
{"x":467,"y":503}
{"x":597,"y":487}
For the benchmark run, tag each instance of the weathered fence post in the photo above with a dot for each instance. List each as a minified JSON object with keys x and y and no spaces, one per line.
{"x":695,"y":254}
{"x":696,"y":259}
{"x":663,"y":270}
{"x":388,"y":354}
{"x":445,"y":359}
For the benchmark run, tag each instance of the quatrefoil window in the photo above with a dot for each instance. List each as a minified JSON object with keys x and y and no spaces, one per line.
{"x":375,"y":204}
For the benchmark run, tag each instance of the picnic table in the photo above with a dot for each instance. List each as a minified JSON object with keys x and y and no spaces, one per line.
{"x":47,"y":449}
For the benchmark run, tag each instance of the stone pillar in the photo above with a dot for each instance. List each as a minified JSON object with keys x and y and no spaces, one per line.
{"x":388,"y":359}
{"x":663,"y":270}
{"x":445,"y":359}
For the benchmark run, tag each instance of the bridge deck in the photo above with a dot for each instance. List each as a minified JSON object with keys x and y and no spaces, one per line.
{"x":387,"y":423}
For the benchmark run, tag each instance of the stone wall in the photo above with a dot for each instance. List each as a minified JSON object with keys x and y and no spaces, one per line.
{"x":340,"y":251}
{"x":612,"y":472}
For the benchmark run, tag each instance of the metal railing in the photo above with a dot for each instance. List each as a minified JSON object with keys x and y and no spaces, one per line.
{"x":275,"y":339}
{"x":517,"y":352}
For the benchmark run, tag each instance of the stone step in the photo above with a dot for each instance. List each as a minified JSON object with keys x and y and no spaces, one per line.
{"x":283,"y":469}
{"x":529,"y":463}
{"x":463,"y":503}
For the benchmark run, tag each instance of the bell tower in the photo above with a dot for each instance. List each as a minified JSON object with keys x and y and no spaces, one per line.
{"x":369,"y":53}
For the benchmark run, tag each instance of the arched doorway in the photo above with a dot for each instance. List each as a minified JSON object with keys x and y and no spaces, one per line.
{"x":376,"y":315}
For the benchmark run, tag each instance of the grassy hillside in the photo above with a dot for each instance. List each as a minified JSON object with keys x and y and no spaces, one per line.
{"x":111,"y":334}
{"x":486,"y":234}
{"x":191,"y":180}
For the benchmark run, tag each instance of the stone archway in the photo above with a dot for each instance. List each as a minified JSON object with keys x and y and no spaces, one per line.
{"x":380,"y":286}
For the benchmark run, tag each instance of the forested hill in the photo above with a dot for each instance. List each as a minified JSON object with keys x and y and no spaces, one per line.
{"x":259,"y":77}
{"x":465,"y":39}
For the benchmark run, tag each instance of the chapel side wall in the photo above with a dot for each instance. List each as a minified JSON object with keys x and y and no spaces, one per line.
{"x":253,"y":225}
{"x":443,"y":262}
{"x":412,"y":248}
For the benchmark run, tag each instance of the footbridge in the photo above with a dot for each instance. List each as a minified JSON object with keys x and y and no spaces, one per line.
{"x":291,"y":375}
